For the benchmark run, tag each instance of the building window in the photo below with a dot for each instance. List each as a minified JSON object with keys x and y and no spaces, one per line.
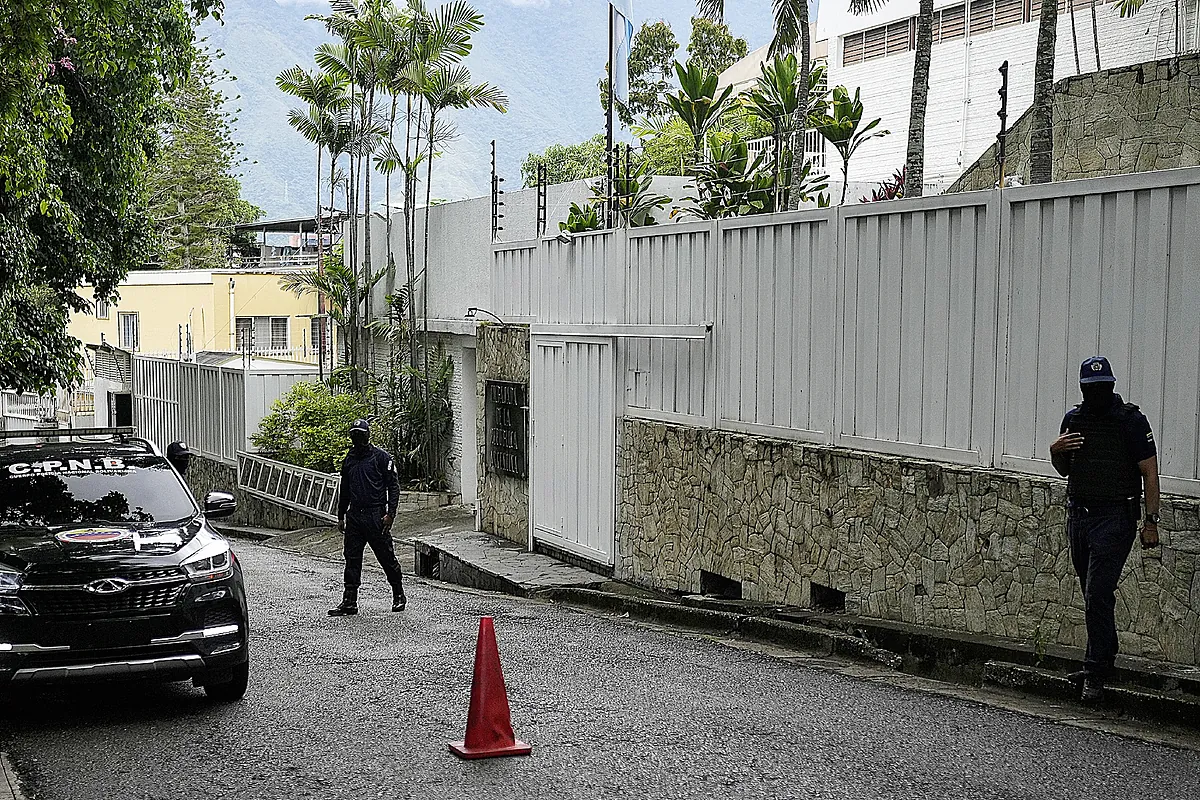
{"x":279,"y":333}
{"x":949,"y":23}
{"x":244,"y":334}
{"x":127,"y":327}
{"x":102,"y":310}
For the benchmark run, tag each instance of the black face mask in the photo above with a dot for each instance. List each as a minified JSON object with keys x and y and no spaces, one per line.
{"x":1097,"y":396}
{"x":358,"y":441}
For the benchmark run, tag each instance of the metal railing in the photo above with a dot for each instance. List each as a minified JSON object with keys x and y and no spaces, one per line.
{"x":291,"y":261}
{"x":304,"y":490}
{"x":814,"y":147}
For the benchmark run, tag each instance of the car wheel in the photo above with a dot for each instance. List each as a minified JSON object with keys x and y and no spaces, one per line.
{"x":232,"y":690}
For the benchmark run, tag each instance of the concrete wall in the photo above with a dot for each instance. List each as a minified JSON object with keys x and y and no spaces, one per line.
{"x":502,"y":355}
{"x":1131,"y":119}
{"x":961,"y":121}
{"x":206,"y":475}
{"x":966,"y":549}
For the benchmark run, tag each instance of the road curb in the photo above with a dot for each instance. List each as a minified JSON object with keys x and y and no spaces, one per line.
{"x":12,"y":786}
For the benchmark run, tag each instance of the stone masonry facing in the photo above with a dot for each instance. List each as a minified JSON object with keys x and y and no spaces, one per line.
{"x":961,"y":548}
{"x":502,"y":353}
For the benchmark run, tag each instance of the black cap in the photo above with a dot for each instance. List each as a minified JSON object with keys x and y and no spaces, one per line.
{"x":1096,"y":370}
{"x":177,"y":449}
{"x":360,"y":425}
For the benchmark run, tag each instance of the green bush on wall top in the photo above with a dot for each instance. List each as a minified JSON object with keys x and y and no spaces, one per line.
{"x":307,"y":427}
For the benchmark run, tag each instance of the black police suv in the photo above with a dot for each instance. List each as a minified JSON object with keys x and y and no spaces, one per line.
{"x":110,"y":570}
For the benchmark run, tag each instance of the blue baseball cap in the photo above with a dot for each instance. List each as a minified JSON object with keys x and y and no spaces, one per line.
{"x":360,"y":425}
{"x":1096,"y":370}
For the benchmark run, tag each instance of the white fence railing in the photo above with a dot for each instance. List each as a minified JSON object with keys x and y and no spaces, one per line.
{"x":305,"y":490}
{"x":814,"y":148}
{"x":214,"y":409}
{"x":946,"y":327}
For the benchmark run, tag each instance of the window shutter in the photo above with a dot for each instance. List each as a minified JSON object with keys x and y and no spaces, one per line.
{"x":952,"y":22}
{"x":279,"y":333}
{"x":852,"y":49}
{"x":875,"y":43}
{"x":981,"y":16}
{"x":1009,"y":12}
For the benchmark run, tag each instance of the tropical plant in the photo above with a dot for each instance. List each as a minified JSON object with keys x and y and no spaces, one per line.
{"x":344,"y":291}
{"x":732,"y":184}
{"x":566,"y":162}
{"x":581,"y":219}
{"x":697,"y":102}
{"x":667,"y":146}
{"x":636,"y":201}
{"x":841,"y":124}
{"x":792,"y":30}
{"x":889,"y":189}
{"x":776,"y":99}
{"x":307,"y":426}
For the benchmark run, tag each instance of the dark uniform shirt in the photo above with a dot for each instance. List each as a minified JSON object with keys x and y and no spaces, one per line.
{"x":369,"y":480}
{"x":1135,"y":445}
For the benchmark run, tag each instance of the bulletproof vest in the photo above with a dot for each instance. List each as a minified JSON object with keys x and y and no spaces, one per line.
{"x":1103,"y":468}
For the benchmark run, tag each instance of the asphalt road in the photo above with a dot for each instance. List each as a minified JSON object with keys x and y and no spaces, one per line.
{"x":363,"y":707}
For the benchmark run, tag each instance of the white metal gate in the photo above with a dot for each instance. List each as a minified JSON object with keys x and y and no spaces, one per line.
{"x":573,"y":411}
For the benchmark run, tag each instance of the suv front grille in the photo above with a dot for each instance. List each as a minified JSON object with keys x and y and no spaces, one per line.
{"x":52,"y":578}
{"x":76,"y":602}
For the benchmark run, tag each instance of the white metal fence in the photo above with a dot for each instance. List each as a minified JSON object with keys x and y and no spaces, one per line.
{"x":214,"y":409}
{"x":947,"y":328}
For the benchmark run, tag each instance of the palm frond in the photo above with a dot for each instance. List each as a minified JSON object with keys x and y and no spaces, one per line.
{"x":713,"y":9}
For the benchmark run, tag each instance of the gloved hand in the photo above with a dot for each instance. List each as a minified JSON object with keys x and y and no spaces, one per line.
{"x":342,"y":524}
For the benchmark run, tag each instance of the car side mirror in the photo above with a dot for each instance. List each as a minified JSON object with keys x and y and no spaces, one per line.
{"x":219,"y":504}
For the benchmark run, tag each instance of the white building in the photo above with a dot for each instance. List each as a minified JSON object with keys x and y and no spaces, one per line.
{"x":875,"y":52}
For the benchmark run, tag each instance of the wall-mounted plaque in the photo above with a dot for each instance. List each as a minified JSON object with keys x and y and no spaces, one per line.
{"x":506,"y":406}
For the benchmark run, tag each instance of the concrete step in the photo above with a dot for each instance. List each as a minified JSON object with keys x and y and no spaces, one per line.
{"x":483,"y":561}
{"x":1135,"y":701}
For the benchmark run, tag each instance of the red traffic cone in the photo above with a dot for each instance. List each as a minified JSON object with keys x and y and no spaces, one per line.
{"x":489,"y":726}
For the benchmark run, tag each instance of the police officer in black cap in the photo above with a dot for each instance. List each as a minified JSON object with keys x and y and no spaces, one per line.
{"x":370,"y":492}
{"x":1107,"y":453}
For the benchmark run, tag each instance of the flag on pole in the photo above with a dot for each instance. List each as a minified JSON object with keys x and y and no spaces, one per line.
{"x":622,"y":43}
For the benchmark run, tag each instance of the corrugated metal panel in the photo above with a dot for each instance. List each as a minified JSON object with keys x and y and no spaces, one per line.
{"x":581,"y":281}
{"x":574,"y":445}
{"x":917,"y":357}
{"x":513,"y":279}
{"x":671,"y":281}
{"x":775,"y":335}
{"x":1104,"y":267}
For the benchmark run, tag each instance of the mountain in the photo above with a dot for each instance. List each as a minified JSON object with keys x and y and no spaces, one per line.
{"x":546,"y":54}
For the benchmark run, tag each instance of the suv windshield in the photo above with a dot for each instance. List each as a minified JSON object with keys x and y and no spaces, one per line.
{"x":69,"y":491}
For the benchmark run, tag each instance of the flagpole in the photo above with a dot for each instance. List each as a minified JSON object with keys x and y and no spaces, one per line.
{"x":608,"y":185}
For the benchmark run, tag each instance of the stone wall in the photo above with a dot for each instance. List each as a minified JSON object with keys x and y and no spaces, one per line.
{"x":502,"y":353}
{"x":206,"y":475}
{"x":1131,"y":119}
{"x":967,"y":549}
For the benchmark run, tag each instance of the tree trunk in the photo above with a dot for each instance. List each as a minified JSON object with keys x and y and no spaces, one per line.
{"x":914,"y":160}
{"x":1096,"y":35}
{"x":845,"y":179}
{"x":1074,"y":36}
{"x":368,"y":267}
{"x":429,"y":454}
{"x":800,"y":125}
{"x":1041,"y":139}
{"x":326,"y":327}
{"x":318,"y":345}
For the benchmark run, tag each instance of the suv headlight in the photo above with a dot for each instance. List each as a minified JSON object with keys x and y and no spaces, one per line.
{"x":10,"y":581}
{"x":213,"y":563}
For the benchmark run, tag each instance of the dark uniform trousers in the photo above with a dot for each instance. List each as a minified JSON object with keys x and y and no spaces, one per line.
{"x":1101,"y":537}
{"x":364,"y":526}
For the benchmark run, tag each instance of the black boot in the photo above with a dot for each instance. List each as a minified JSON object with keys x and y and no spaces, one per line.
{"x":347,"y":608}
{"x":398,"y":599}
{"x":1093,"y":689}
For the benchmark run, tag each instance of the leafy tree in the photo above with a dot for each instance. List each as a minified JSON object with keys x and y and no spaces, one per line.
{"x":667,"y":147}
{"x":713,"y":46}
{"x":195,"y":200}
{"x":650,"y":65}
{"x":567,"y":162}
{"x":83,"y":85}
{"x":307,"y":426}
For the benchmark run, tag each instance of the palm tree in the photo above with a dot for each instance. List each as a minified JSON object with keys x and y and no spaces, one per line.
{"x":776,"y":99}
{"x":791,"y":30}
{"x":914,"y":157}
{"x":444,"y":88}
{"x":1041,"y":138}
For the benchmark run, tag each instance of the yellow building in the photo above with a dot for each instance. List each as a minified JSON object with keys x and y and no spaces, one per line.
{"x":166,"y":312}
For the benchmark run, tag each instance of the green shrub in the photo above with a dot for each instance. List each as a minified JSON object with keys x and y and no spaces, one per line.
{"x":307,"y":427}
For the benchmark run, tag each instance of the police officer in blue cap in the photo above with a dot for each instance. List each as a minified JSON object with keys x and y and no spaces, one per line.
{"x":1107,"y":453}
{"x":370,"y":492}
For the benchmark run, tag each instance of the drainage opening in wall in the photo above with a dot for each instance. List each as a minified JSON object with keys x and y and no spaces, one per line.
{"x":428,"y":565}
{"x":715,"y":585}
{"x":827,"y":598}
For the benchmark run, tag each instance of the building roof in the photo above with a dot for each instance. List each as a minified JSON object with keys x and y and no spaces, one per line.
{"x":744,"y":73}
